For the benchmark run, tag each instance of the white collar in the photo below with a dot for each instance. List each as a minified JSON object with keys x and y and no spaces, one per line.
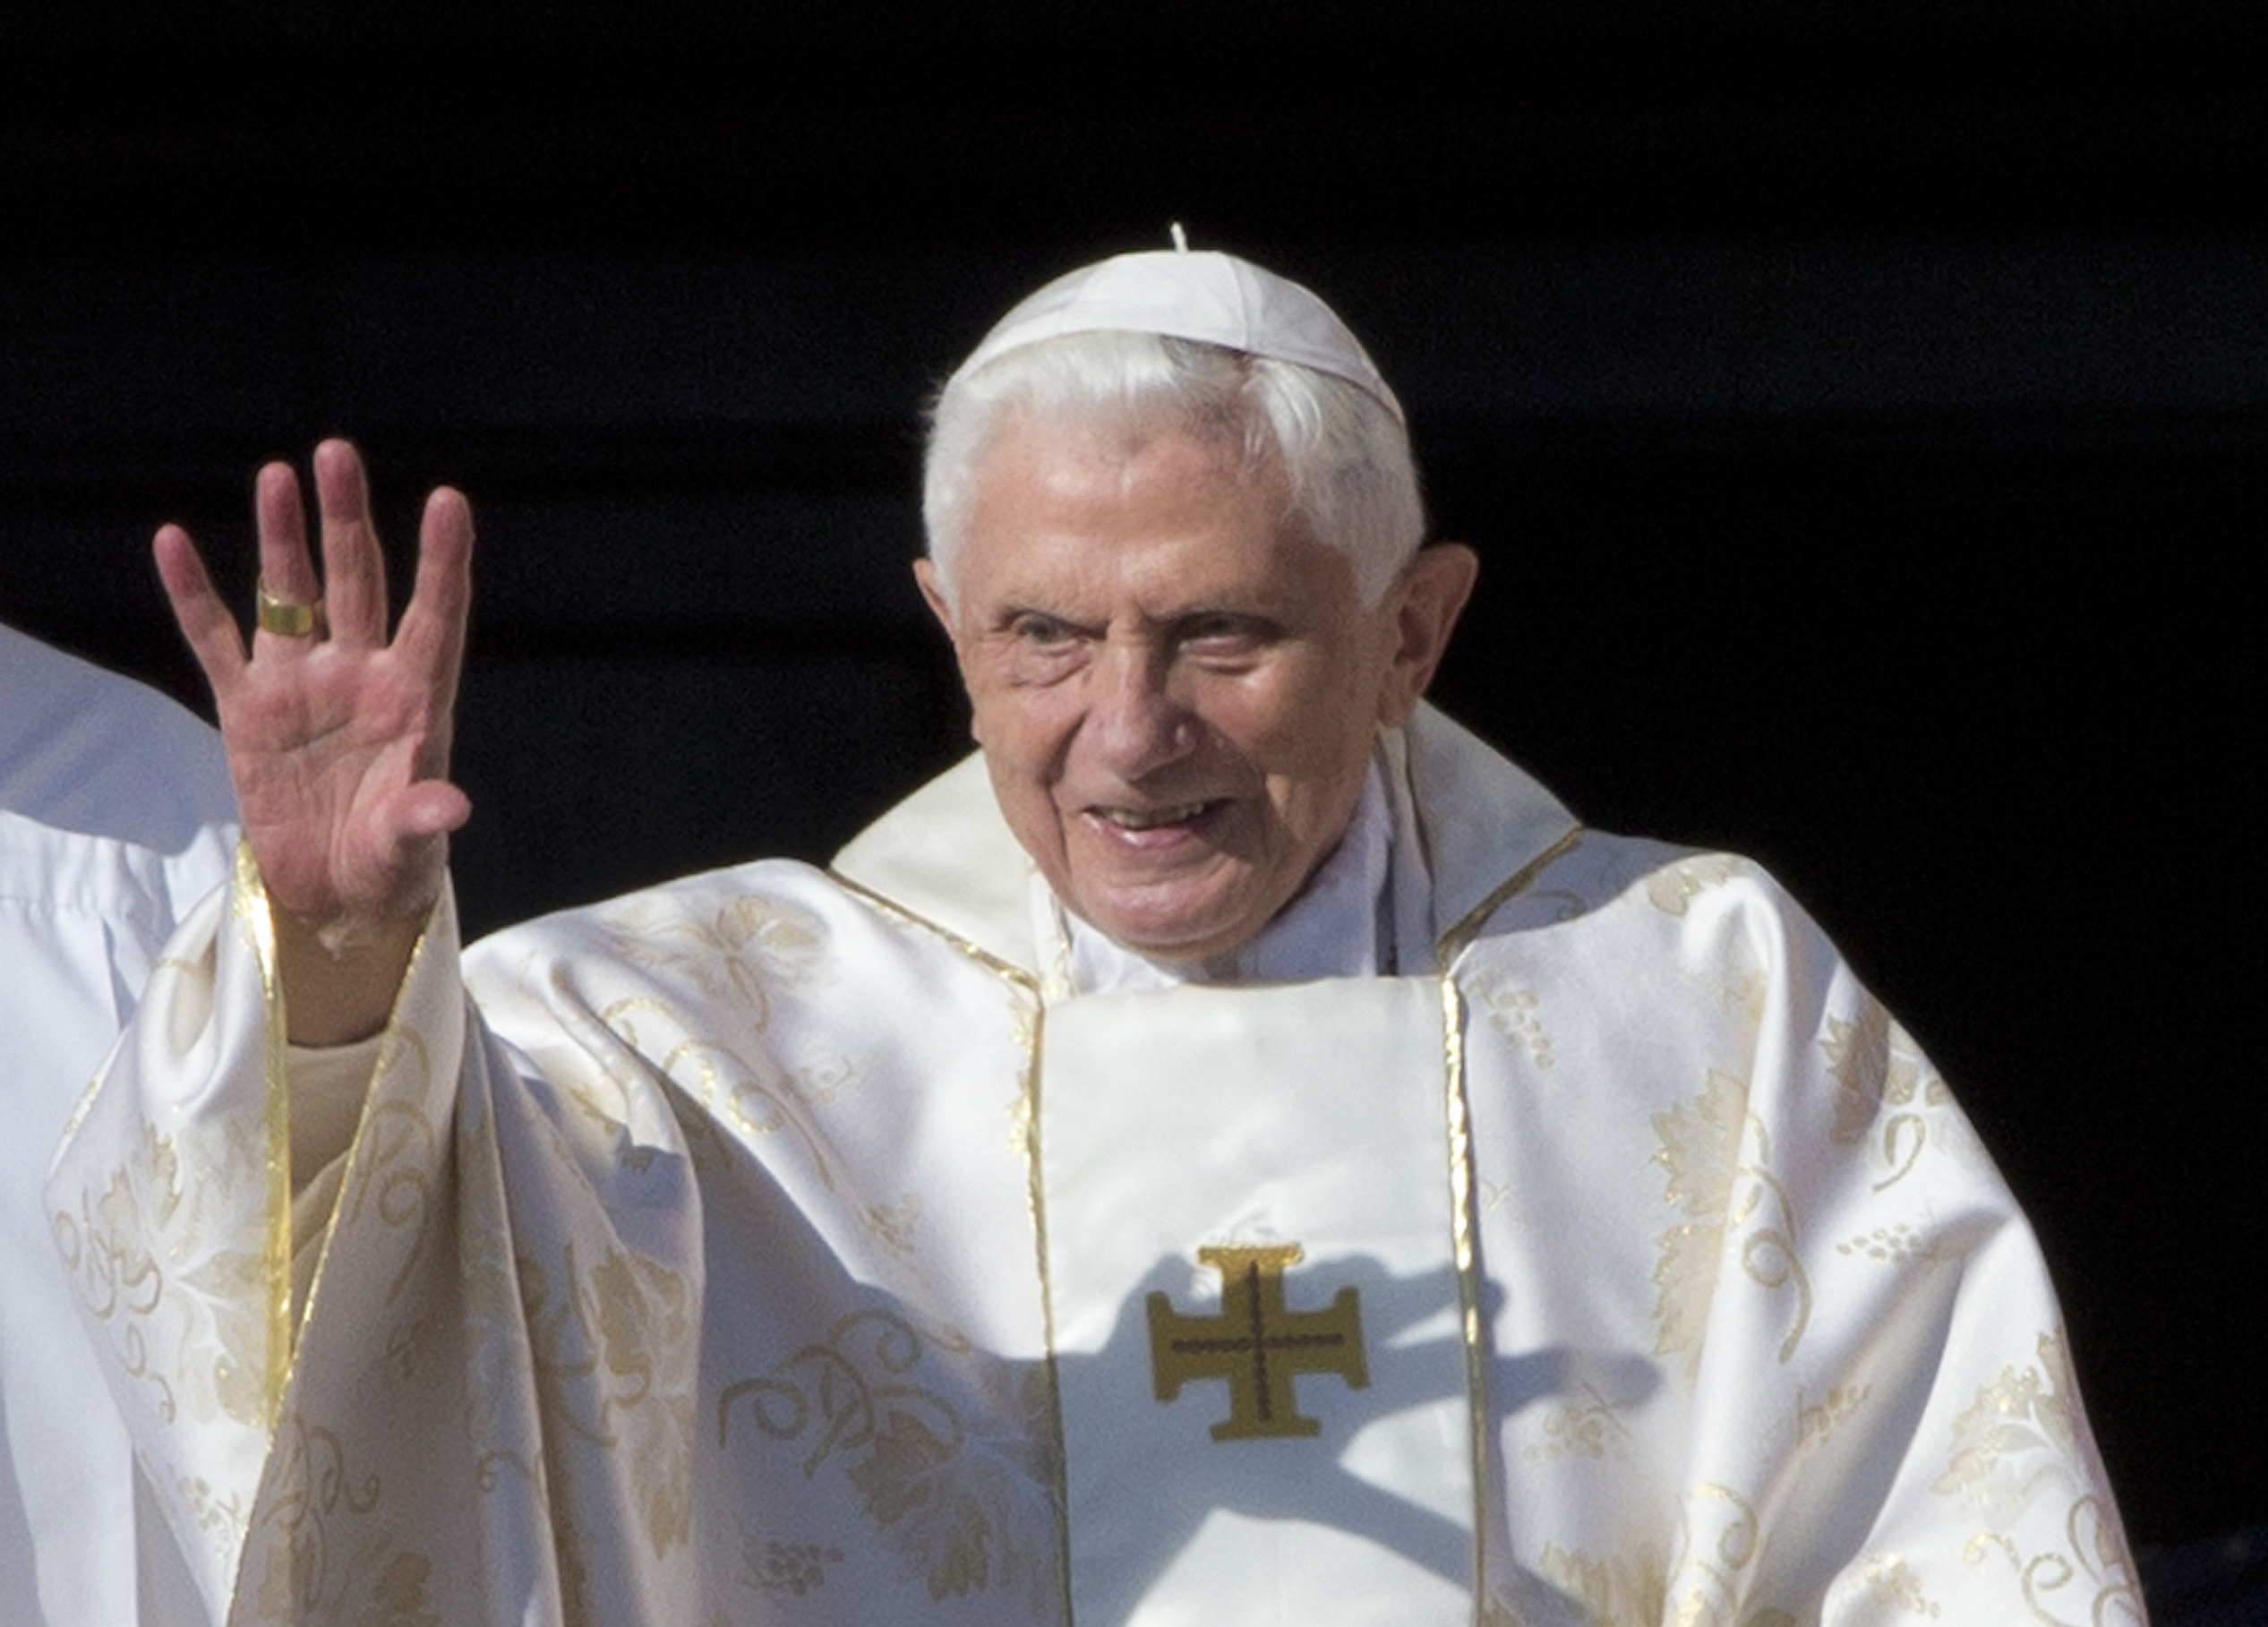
{"x":1467,"y":818}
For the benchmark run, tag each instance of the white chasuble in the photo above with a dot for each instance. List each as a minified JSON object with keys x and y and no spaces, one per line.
{"x":788,"y":1247}
{"x":1252,"y":1262}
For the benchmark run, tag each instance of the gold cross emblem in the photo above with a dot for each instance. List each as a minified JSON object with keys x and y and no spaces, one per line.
{"x":1256,"y":1343}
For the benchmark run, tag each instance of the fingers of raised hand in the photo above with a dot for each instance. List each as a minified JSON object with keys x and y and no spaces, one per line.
{"x":433,"y":629}
{"x":287,"y":570}
{"x":288,"y":602}
{"x":345,"y":606}
{"x":205,"y":618}
{"x":352,"y":589}
{"x":353,"y":564}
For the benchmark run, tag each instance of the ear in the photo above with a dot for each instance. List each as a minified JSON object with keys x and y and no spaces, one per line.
{"x":1423,"y":606}
{"x":925,"y":576}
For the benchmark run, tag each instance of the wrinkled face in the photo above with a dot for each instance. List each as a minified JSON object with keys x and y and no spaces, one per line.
{"x":1176,"y":690}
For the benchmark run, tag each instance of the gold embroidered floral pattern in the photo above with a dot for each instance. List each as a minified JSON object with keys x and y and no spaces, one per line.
{"x":1614,"y":1592}
{"x":2019,"y":1442}
{"x":753,"y":1097}
{"x":142,"y":1252}
{"x":490,"y":1305}
{"x":614,"y":1358}
{"x":794,"y":1568}
{"x":1891,"y":1581}
{"x":892,"y":1224}
{"x":212,"y":1511}
{"x":1896,"y":1244}
{"x":1588,"y":1428}
{"x":732,"y":949}
{"x":968,"y":1511}
{"x":1743,"y":990}
{"x":1672,"y":888}
{"x":1882,"y":1076}
{"x":397,"y":1595}
{"x":2092,"y":1581}
{"x":302,"y":1566}
{"x":397,"y":1150}
{"x":1719,"y":1535}
{"x":1512,"y":1012}
{"x":1815,"y":1422}
{"x":2022,"y":1424}
{"x":1726,"y":965}
{"x":1732,"y":1204}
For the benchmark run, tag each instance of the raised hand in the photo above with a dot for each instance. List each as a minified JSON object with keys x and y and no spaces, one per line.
{"x":337,"y":738}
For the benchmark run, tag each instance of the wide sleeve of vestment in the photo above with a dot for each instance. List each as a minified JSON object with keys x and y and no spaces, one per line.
{"x":1774,"y":1344}
{"x":171,"y":1202}
{"x":636,"y":1304}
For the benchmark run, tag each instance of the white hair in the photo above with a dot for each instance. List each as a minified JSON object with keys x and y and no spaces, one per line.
{"x":1354,"y":485}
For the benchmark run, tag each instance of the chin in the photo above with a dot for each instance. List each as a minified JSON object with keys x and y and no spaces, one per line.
{"x":1180,"y":951}
{"x":1165,"y":933}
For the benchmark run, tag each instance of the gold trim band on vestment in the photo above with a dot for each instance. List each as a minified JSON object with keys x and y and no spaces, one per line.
{"x":1465,"y":1256}
{"x":1463,"y":1222}
{"x":1453,"y":941}
{"x":248,"y":897}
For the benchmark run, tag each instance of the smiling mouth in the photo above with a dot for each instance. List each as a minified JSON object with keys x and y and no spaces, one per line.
{"x":1154,"y":819}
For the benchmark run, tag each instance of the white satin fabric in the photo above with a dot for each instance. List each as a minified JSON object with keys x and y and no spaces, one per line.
{"x":707,"y":1271}
{"x":114,"y":817}
{"x":1312,"y":1117}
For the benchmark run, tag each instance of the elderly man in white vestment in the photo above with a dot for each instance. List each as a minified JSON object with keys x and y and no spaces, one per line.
{"x":1234,"y":1150}
{"x":116,"y":818}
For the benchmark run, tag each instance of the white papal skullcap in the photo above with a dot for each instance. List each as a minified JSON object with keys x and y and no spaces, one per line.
{"x":1215,"y":298}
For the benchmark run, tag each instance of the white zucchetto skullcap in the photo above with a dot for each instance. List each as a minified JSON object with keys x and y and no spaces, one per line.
{"x":1214,"y":298}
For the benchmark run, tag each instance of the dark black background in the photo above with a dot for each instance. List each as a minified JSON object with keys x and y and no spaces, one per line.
{"x":1860,"y":410}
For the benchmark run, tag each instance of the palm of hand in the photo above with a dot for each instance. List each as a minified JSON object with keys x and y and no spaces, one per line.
{"x":339,"y":743}
{"x":340,"y":759}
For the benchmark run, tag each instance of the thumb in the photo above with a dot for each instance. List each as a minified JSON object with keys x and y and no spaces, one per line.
{"x":434,"y":807}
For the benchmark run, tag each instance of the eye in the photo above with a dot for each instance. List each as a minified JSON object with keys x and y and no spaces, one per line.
{"x":1034,"y":647}
{"x":1223,"y":634}
{"x":1035,"y":629}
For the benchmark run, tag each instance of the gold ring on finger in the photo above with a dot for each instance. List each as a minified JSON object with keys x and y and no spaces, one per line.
{"x":285,"y":616}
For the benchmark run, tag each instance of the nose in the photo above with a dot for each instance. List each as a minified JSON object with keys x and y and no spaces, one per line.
{"x":1135,"y":722}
